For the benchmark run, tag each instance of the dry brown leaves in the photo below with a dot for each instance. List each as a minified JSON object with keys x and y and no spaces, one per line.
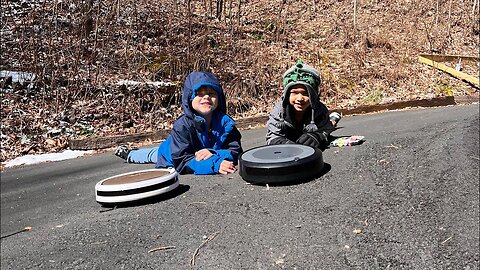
{"x":80,"y":50}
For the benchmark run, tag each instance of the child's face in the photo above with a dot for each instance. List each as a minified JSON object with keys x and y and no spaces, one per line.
{"x":205,"y":101}
{"x":299,"y":98}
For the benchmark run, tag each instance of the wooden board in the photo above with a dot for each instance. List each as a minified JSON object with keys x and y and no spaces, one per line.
{"x":435,"y":61}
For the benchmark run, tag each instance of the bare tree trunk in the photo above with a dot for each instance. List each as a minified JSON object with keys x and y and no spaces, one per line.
{"x":279,"y":19}
{"x":224,"y":9}
{"x":50,"y":56}
{"x":238,"y":12}
{"x":118,"y":9}
{"x":211,"y":9}
{"x":189,"y":30}
{"x":230,"y":12}
{"x":88,"y":20}
{"x":219,"y":9}
{"x":449,"y":17}
{"x":94,"y":54}
{"x":354,"y":14}
{"x":175,"y":6}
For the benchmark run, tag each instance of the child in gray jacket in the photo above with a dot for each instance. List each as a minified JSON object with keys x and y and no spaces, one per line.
{"x":300,"y":117}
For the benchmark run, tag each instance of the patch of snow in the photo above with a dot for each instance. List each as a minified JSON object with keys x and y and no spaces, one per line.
{"x":33,"y":159}
{"x":20,"y":77}
{"x":23,"y":78}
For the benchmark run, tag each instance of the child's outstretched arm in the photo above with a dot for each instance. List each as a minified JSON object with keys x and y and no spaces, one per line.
{"x":314,"y":139}
{"x":275,"y":134}
{"x":233,"y":145}
{"x":319,"y":138}
{"x":181,"y":150}
{"x":205,"y":161}
{"x":221,"y":160}
{"x":211,"y":165}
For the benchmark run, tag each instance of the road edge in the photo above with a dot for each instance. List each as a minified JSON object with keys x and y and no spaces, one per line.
{"x":96,"y":143}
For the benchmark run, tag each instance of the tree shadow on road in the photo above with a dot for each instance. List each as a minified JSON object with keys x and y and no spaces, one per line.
{"x":181,"y":189}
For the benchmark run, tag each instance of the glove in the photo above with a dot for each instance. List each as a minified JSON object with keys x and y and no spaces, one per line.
{"x":348,"y":141}
{"x":315,"y":140}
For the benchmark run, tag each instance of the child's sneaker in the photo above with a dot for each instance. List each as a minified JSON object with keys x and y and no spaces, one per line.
{"x":335,"y":117}
{"x":123,"y":151}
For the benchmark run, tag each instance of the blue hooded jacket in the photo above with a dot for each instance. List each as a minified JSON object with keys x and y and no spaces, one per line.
{"x":190,"y":133}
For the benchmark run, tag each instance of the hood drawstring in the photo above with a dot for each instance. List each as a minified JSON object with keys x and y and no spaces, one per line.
{"x":311,"y":127}
{"x":281,"y":123}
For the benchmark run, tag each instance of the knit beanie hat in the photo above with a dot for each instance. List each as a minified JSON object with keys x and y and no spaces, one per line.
{"x":302,"y":74}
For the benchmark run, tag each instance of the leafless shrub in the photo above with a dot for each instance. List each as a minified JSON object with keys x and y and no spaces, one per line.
{"x":79,"y":50}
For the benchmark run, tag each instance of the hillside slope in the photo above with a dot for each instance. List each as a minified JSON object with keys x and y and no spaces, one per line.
{"x":117,"y":67}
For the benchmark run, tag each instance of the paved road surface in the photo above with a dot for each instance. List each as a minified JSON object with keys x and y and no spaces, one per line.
{"x":408,"y":198}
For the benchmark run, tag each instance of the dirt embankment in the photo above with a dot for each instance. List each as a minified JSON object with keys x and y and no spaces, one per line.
{"x":98,"y":64}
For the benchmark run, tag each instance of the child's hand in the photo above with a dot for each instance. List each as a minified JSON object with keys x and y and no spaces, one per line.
{"x":203,"y":154}
{"x":226,"y":167}
{"x":311,"y":139}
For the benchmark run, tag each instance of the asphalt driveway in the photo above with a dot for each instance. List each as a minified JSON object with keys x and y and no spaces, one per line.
{"x":408,"y":198}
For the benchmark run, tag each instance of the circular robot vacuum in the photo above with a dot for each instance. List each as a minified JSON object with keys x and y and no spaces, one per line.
{"x":137,"y":185}
{"x":274,"y":164}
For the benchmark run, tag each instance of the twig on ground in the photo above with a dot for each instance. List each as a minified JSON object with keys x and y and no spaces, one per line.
{"x":192,"y":203}
{"x":109,"y":209}
{"x":209,"y":238}
{"x":393,"y":146}
{"x":28,"y":149}
{"x":161,"y":248}
{"x":446,"y":240}
{"x":477,"y":158}
{"x":26,"y":229}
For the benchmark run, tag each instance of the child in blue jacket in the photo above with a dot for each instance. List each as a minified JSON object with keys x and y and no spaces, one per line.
{"x":204,"y":140}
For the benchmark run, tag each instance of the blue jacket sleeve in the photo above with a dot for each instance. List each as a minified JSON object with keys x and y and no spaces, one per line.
{"x":211,"y":165}
{"x":181,"y":147}
{"x":232,"y":145}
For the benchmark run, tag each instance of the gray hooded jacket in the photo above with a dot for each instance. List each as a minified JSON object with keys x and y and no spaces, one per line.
{"x":290,"y":131}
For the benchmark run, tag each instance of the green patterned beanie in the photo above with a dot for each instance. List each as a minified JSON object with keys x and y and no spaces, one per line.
{"x":302,"y":74}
